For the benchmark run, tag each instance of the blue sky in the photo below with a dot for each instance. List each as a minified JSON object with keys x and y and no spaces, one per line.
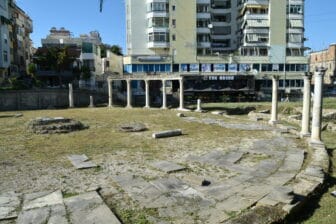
{"x":83,"y":16}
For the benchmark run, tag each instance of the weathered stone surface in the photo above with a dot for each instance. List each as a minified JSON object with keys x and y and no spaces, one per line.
{"x":239,"y":126}
{"x":180,"y":115}
{"x":166,"y":134}
{"x":218,"y":112}
{"x":43,"y":207}
{"x":11,"y":115}
{"x":234,"y":203}
{"x":36,"y":216}
{"x":218,"y":158}
{"x":42,"y":199}
{"x":81,"y":161}
{"x":329,"y":116}
{"x":89,"y":208}
{"x":281,"y":194}
{"x":9,"y":205}
{"x":47,"y":125}
{"x":265,"y":111}
{"x":132,"y":127}
{"x":167,"y":166}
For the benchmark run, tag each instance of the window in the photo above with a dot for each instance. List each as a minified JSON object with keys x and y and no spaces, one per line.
{"x":174,"y":23}
{"x":158,"y":37}
{"x":295,"y":9}
{"x":173,"y":37}
{"x":173,"y":7}
{"x":5,"y":39}
{"x":157,"y":7}
{"x":5,"y":56}
{"x":161,"y":22}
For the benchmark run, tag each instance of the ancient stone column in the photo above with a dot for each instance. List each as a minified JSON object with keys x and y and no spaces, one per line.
{"x":71,"y":96}
{"x":164,"y":95}
{"x":147,"y":94}
{"x":317,"y":106}
{"x":199,"y":106}
{"x":274,"y":115}
{"x":91,"y":102}
{"x":110,"y":102}
{"x":306,"y":106}
{"x":181,"y":94}
{"x":129,"y":94}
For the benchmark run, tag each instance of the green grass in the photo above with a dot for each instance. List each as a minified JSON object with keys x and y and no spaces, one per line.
{"x":103,"y":138}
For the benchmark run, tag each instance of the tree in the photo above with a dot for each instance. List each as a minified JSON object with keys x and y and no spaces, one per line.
{"x":31,"y":70}
{"x":116,"y":49}
{"x":58,"y":59}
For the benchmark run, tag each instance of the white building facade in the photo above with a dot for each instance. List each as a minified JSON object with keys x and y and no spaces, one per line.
{"x":234,"y":42}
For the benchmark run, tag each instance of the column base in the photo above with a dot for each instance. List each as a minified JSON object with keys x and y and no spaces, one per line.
{"x":146,"y":107}
{"x":182,"y":109}
{"x":305,"y":135}
{"x":316,"y":143}
{"x":200,"y":111}
{"x":273,"y":122}
{"x":129,"y":107}
{"x":164,"y":108}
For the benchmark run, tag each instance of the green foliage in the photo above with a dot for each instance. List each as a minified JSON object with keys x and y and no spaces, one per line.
{"x":32,"y":70}
{"x":115,"y":49}
{"x":55,"y":58}
{"x":17,"y":84}
{"x":86,"y":73}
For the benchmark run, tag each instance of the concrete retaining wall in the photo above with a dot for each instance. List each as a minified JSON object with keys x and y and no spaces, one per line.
{"x":46,"y":98}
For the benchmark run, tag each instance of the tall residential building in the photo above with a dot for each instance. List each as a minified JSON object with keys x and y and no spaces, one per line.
{"x":325,"y":58}
{"x":226,"y":44}
{"x":21,"y":44}
{"x":4,"y":38}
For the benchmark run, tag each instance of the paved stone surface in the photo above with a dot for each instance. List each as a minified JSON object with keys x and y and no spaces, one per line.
{"x":167,"y":166}
{"x":52,"y":208}
{"x":89,"y":208}
{"x":239,"y":126}
{"x":9,"y":205}
{"x":81,"y":161}
{"x":43,"y":207}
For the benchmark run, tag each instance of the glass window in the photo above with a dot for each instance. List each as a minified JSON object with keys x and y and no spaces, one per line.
{"x":87,"y":47}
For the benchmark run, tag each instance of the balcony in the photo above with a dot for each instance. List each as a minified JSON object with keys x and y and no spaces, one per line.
{"x":295,"y":16}
{"x":203,"y":1}
{"x":256,"y":16}
{"x":294,"y":45}
{"x":157,"y":29}
{"x":256,"y":31}
{"x":203,"y":44}
{"x":157,"y":14}
{"x":203,"y":30}
{"x":204,"y":15}
{"x":221,"y":11}
{"x":256,"y":23}
{"x":220,"y":24}
{"x":155,"y":44}
{"x":151,"y":1}
{"x":221,"y":36}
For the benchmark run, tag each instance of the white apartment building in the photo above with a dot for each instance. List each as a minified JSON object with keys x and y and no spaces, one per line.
{"x":224,"y":44}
